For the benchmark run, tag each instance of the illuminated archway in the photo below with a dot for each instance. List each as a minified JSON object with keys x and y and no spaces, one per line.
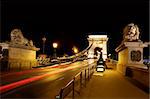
{"x":97,"y":52}
{"x":99,"y":44}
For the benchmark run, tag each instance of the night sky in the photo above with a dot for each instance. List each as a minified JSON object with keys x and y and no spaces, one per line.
{"x":69,"y":23}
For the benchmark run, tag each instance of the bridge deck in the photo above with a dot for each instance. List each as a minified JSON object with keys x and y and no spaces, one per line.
{"x":111,"y":85}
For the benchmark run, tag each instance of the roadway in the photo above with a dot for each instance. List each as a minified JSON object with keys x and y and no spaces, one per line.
{"x":46,"y":87}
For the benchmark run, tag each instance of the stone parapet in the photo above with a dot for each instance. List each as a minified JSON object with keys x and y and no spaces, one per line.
{"x":21,"y":64}
{"x":139,"y":74}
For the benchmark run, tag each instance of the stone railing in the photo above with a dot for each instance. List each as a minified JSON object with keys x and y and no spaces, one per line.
{"x":139,"y":75}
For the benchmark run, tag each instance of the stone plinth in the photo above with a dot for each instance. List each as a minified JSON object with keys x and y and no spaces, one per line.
{"x":18,"y":57}
{"x":130,"y":54}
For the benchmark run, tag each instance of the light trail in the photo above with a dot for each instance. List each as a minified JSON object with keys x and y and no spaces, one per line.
{"x":30,"y":71}
{"x":11,"y":86}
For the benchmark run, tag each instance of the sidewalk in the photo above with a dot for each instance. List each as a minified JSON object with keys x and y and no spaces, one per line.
{"x":112,"y":85}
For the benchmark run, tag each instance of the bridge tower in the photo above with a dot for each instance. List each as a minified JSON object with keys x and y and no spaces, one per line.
{"x":99,"y":41}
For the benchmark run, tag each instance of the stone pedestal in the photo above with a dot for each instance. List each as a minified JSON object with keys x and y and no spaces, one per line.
{"x":17,"y":57}
{"x":130,"y":54}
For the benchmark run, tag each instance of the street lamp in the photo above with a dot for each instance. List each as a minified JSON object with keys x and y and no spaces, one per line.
{"x":55,"y":45}
{"x":43,"y":39}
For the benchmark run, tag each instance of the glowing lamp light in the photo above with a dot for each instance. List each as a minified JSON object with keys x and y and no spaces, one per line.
{"x":44,"y":39}
{"x":75,"y":50}
{"x":55,"y":45}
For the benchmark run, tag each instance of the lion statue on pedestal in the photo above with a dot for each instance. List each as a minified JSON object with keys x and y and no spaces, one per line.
{"x":131,"y":33}
{"x":18,"y":38}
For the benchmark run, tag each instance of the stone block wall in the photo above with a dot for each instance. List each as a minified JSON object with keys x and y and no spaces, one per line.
{"x":18,"y":65}
{"x":18,"y":57}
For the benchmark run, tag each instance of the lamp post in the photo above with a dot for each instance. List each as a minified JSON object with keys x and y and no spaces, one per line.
{"x":43,"y":39}
{"x":55,"y":45}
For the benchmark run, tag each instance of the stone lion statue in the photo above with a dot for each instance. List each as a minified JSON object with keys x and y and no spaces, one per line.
{"x":131,"y":32}
{"x":18,"y":38}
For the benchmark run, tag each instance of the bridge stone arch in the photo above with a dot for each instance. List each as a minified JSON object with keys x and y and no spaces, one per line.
{"x":97,"y":50}
{"x":97,"y":41}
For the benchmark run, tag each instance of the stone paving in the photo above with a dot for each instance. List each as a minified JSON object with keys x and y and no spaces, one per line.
{"x":111,"y":85}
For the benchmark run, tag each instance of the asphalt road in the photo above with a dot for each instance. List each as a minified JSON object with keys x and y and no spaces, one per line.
{"x":47,"y":87}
